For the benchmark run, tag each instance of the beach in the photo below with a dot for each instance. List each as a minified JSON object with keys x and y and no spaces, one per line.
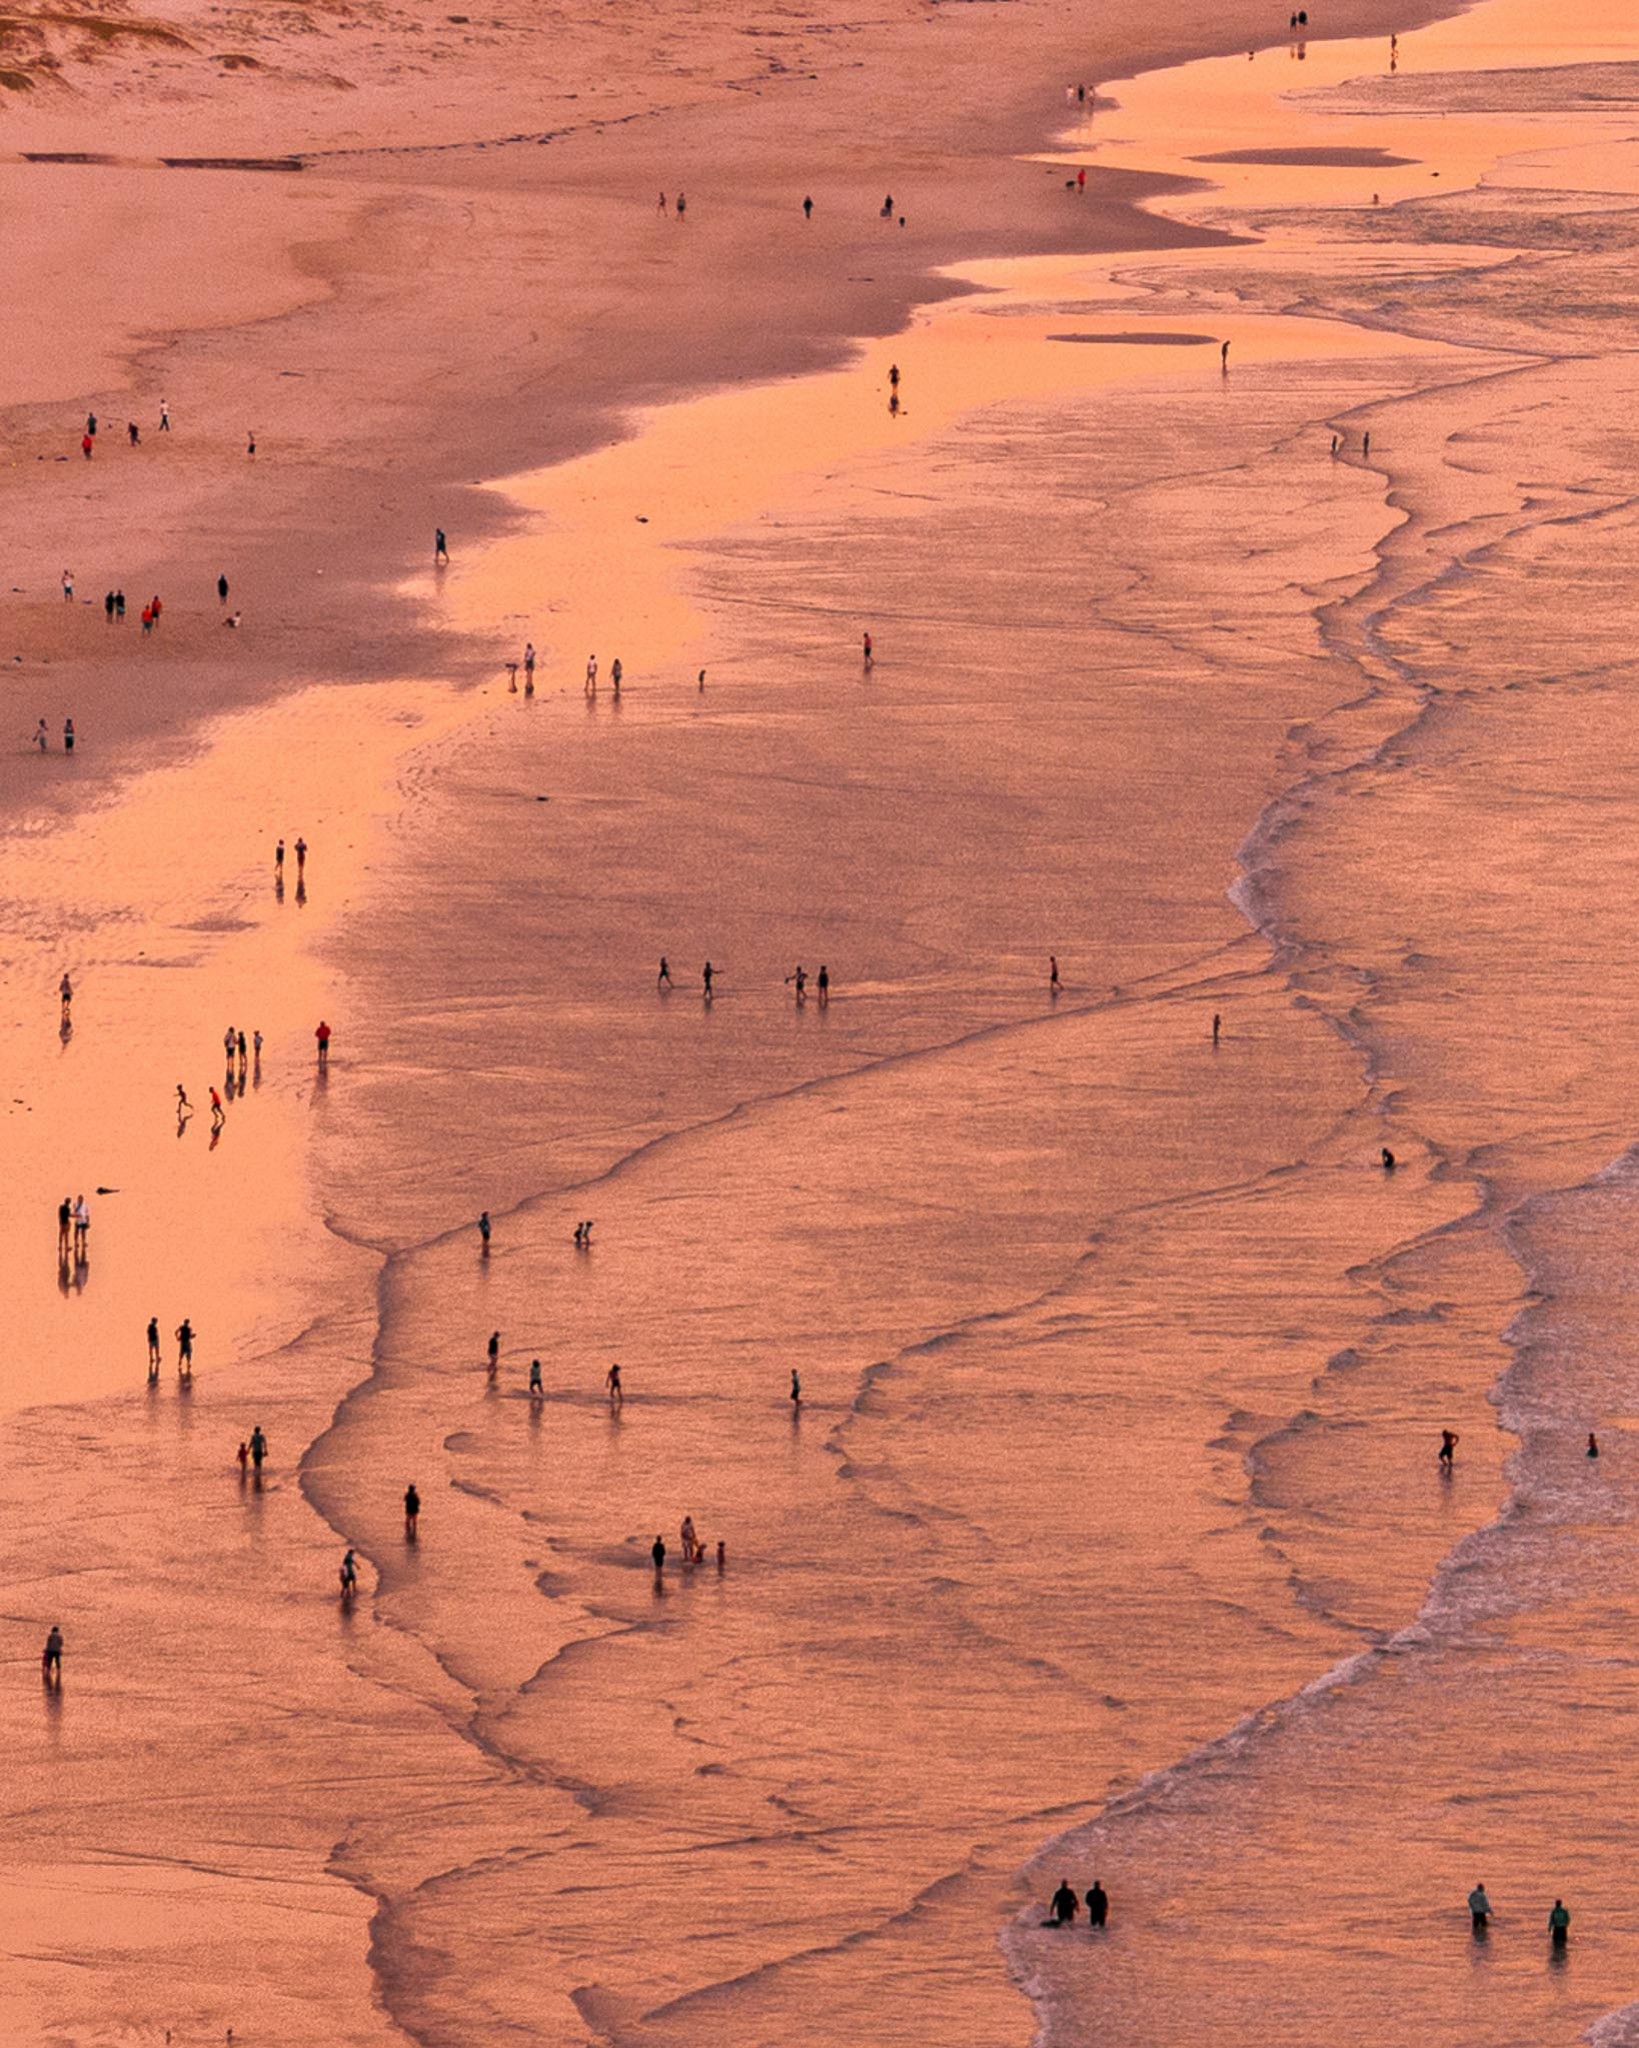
{"x":1107,"y":1537}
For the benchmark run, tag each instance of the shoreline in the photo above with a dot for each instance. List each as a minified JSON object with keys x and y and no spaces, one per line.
{"x":507,"y":520}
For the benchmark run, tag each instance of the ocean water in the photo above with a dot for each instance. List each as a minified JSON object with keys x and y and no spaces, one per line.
{"x":1108,"y":1538}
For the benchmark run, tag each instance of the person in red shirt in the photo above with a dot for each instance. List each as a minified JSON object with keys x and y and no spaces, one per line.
{"x":86,"y":445}
{"x":323,"y":1037}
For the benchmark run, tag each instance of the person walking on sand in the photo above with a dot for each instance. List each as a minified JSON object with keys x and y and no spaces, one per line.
{"x":1064,"y":1905}
{"x":68,"y":586}
{"x":301,"y":854}
{"x":682,"y":206}
{"x":662,"y":207}
{"x":51,"y":1657}
{"x":218,"y":1113}
{"x":615,"y":674}
{"x":1448,"y":1446}
{"x":1052,"y":974}
{"x":153,"y":1347}
{"x":1098,"y":1906}
{"x":823,"y":985}
{"x":706,"y":979}
{"x":349,"y":1575}
{"x":591,"y":675}
{"x":258,"y":1447}
{"x":68,"y":735}
{"x":483,"y":1229}
{"x":494,"y":1353}
{"x":1593,"y":1446}
{"x":529,"y":662}
{"x":86,"y":445}
{"x":537,"y":1392}
{"x":1479,"y":1907}
{"x":657,"y":1550}
{"x":184,"y":1108}
{"x":1223,"y":358}
{"x":322,"y":1035}
{"x":441,"y":547}
{"x":868,"y":652}
{"x":108,"y":607}
{"x":279,"y":861}
{"x":800,"y":976}
{"x":611,"y":1381}
{"x":808,"y":209}
{"x":664,"y":978}
{"x":65,"y":992}
{"x":184,"y":1349}
{"x":164,"y":417}
{"x":412,"y":1512}
{"x":1559,"y":1923}
{"x":250,"y":444}
{"x":893,"y":376}
{"x":796,"y":1389}
{"x":133,"y":433}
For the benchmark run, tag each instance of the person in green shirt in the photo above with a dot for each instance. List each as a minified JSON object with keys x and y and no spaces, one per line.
{"x":1559,"y":1923}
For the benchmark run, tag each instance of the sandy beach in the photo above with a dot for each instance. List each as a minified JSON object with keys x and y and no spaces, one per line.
{"x":1106,"y":1537}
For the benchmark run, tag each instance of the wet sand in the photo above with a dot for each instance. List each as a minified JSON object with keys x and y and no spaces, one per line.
{"x":1121,"y":1356}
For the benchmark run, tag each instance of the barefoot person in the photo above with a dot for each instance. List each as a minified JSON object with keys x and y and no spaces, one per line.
{"x":412,"y":1511}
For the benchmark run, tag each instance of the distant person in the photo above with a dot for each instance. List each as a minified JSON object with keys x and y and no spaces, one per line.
{"x":893,"y":376}
{"x":494,"y":1353}
{"x":349,"y":1575}
{"x":86,"y":445}
{"x":153,"y":1346}
{"x":1479,"y":1907}
{"x":1217,"y":1026}
{"x":133,"y":433}
{"x":301,"y":853}
{"x":1223,"y":357}
{"x":412,"y":1511}
{"x":664,"y":978}
{"x":799,"y":975}
{"x":529,"y":660}
{"x":441,"y":547}
{"x":164,"y":417}
{"x":82,"y":1227}
{"x":536,"y":1390}
{"x":1593,"y":1445}
{"x":706,"y":978}
{"x":682,"y":205}
{"x":868,"y":650}
{"x":1366,"y":443}
{"x":42,"y":737}
{"x":68,"y":735}
{"x":184,"y":1108}
{"x":243,"y":1457}
{"x":1053,"y":982}
{"x":65,"y":1227}
{"x":1448,"y":1445}
{"x":184,"y":1348}
{"x":221,"y":590}
{"x":1098,"y":1905}
{"x":657,"y":1550}
{"x":250,"y":444}
{"x":65,"y":994}
{"x":611,"y":1381}
{"x":808,"y":209}
{"x":279,"y":860}
{"x":796,"y":1389}
{"x":108,"y":607}
{"x":1064,"y":1905}
{"x":823,"y":984}
{"x":258,"y":1447}
{"x":483,"y":1228}
{"x":218,"y":1113}
{"x":722,"y":1555}
{"x":322,"y":1035}
{"x":51,"y":1657}
{"x":591,"y":675}
{"x":690,"y":1542}
{"x":1388,"y":1160}
{"x":1559,"y":1923}
{"x":887,"y":206}
{"x":615,"y":674}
